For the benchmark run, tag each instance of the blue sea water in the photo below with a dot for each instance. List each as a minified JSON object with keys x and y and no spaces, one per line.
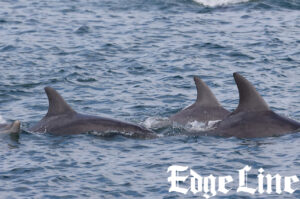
{"x":134,"y":60}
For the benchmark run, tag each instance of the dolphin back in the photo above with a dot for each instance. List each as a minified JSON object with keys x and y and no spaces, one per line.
{"x":206,"y":108}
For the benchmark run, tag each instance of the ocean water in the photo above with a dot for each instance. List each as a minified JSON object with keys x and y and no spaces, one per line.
{"x":134,"y":60}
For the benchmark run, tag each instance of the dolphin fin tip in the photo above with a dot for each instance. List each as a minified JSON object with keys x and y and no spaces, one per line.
{"x":250,"y":99}
{"x":57,"y":104}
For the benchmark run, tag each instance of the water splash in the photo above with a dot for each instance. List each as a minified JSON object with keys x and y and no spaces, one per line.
{"x":196,"y":125}
{"x":200,"y":126}
{"x":163,"y":122}
{"x":215,"y":3}
{"x":156,"y":122}
{"x":2,"y":120}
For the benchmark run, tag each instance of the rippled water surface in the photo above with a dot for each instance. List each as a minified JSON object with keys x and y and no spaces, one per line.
{"x":133,"y":60}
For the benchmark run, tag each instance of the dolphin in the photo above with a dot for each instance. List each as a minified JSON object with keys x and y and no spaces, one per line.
{"x":61,"y":119}
{"x":13,"y":127}
{"x":206,"y":108}
{"x":253,"y":118}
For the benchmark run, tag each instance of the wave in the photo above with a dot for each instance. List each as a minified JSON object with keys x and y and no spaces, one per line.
{"x":216,"y":3}
{"x":264,"y":4}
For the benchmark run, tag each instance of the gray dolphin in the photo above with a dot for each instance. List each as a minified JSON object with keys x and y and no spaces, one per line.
{"x":206,"y":108}
{"x":253,"y":117}
{"x":61,"y":119}
{"x":13,"y":127}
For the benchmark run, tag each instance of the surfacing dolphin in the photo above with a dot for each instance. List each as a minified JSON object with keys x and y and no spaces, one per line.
{"x":205,"y":109}
{"x":61,"y":119}
{"x":13,"y":127}
{"x":253,"y":117}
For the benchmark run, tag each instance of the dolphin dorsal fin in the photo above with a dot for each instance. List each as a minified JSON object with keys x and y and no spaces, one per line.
{"x":204,"y":94}
{"x":57,"y":104}
{"x":250,"y":99}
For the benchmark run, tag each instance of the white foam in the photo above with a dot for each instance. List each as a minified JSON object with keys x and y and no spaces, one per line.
{"x":2,"y":120}
{"x":195,"y":126}
{"x":156,"y":122}
{"x":215,"y":3}
{"x":200,"y":126}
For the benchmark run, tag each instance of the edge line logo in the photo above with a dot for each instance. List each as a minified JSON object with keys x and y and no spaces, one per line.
{"x":207,"y":185}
